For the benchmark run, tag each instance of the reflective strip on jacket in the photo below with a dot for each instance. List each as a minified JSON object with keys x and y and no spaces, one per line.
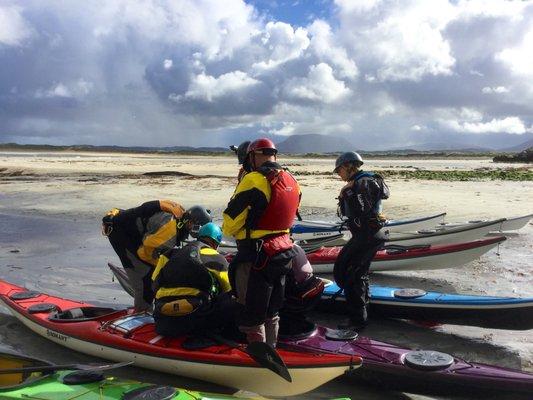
{"x":213,"y":262}
{"x":248,"y":203}
{"x":160,"y":237}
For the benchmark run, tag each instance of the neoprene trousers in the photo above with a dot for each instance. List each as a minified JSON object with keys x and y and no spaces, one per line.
{"x":355,"y":258}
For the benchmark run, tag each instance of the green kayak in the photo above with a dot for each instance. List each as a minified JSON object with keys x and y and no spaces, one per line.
{"x":22,"y":377}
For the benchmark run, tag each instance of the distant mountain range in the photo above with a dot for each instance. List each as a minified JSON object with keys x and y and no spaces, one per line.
{"x":521,"y":147}
{"x":321,"y":144}
{"x":313,"y":143}
{"x":117,"y":149}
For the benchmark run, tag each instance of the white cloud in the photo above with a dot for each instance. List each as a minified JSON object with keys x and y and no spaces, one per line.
{"x":399,"y":40}
{"x":470,"y":114}
{"x":208,"y":88}
{"x":512,"y":125}
{"x":473,"y":9}
{"x":519,"y":59}
{"x":494,"y":89}
{"x":77,"y":89}
{"x":380,"y":70}
{"x":357,"y":6}
{"x":14,"y":29}
{"x":319,"y":86}
{"x":281,"y":44}
{"x":323,"y":43}
{"x":287,"y":129}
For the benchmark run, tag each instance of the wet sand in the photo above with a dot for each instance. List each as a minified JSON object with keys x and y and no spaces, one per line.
{"x":51,"y":205}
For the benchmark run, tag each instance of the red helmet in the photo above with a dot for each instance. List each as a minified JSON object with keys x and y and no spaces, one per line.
{"x":262,"y":144}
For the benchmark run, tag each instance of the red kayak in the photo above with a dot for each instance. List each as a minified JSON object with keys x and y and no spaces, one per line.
{"x":400,"y":258}
{"x":120,"y":335}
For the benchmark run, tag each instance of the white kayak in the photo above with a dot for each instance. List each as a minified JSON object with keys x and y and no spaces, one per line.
{"x":308,"y":230}
{"x":510,"y":224}
{"x":458,"y":234}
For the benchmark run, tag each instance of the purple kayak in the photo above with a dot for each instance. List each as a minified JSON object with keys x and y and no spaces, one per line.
{"x":410,"y":370}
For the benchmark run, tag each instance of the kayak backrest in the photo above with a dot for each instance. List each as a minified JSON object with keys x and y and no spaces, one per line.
{"x":80,"y":314}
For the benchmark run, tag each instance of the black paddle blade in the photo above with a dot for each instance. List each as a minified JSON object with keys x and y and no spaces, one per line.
{"x":266,"y":356}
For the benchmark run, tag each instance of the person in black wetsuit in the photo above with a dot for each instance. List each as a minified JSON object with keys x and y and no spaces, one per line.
{"x":360,"y":205}
{"x":140,"y":235}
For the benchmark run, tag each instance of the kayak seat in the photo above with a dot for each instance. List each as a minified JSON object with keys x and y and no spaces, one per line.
{"x":152,"y":392}
{"x":80,"y":314}
{"x":83,"y":377}
{"x":395,"y":251}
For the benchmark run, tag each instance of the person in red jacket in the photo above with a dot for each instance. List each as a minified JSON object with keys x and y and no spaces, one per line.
{"x":259,"y":216}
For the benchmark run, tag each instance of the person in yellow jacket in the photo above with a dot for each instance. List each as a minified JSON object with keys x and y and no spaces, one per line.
{"x":258,"y":216}
{"x":192,"y":290}
{"x":140,"y":235}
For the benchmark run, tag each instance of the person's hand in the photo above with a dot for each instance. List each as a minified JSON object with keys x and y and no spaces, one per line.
{"x":172,"y":207}
{"x":349,"y":185}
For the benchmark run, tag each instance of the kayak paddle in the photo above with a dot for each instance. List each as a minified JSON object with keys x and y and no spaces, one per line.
{"x":262,"y":353}
{"x":59,"y":367}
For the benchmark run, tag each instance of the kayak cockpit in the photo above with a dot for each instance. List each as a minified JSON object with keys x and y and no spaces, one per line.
{"x":79,"y":314}
{"x":10,"y":361}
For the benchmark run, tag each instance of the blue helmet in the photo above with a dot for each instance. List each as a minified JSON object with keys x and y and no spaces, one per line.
{"x":211,"y":230}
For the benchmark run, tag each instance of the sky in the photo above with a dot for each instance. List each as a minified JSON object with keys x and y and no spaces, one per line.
{"x":380,"y":73}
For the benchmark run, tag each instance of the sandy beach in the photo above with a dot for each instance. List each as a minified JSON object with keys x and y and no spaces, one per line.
{"x":51,"y":206}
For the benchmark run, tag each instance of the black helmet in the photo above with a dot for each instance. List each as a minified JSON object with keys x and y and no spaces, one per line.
{"x":198,"y":215}
{"x":348,"y":157}
{"x":241,"y":151}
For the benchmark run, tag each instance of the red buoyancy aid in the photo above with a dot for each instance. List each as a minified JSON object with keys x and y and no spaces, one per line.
{"x":283,"y":204}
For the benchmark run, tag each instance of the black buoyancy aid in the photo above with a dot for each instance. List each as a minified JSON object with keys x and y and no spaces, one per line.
{"x":185,"y":269}
{"x":354,"y":203}
{"x":284,"y":201}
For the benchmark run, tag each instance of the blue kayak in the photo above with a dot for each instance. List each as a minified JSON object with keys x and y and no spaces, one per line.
{"x":483,"y":311}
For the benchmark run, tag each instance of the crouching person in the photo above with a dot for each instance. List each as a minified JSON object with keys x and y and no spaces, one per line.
{"x":140,"y":235}
{"x":191,"y":287}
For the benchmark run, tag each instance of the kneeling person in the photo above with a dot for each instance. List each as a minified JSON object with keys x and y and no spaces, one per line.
{"x":191,"y":286}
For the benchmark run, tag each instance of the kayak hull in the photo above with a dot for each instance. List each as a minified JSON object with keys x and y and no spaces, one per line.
{"x":483,"y":311}
{"x":306,"y":229}
{"x":455,"y":234}
{"x":98,"y":388}
{"x":219,"y":364}
{"x":410,"y":259}
{"x":385,"y":364}
{"x":509,"y":224}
